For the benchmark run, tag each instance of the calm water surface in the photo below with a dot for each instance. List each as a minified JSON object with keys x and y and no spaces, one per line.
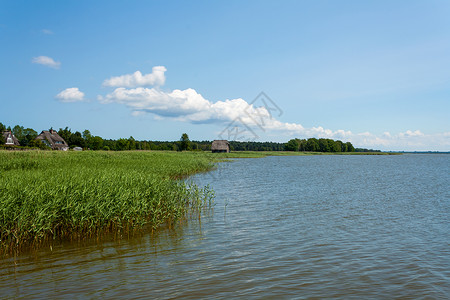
{"x":282,"y":227}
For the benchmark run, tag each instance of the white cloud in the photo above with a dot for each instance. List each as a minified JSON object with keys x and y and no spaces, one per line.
{"x":47,"y":31}
{"x":70,"y":95}
{"x":184,"y":105}
{"x":46,"y":61}
{"x":410,"y":133}
{"x":136,"y":79}
{"x":189,"y":106}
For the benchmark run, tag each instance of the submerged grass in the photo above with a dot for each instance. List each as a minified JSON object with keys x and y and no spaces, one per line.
{"x":75,"y":195}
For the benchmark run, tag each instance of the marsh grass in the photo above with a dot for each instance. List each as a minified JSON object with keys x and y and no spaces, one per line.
{"x":78,"y":195}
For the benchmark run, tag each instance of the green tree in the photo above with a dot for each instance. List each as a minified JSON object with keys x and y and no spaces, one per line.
{"x":138,"y":145}
{"x":301,"y":147}
{"x":334,"y":146}
{"x":350,"y":147}
{"x":96,"y":143}
{"x":292,"y":145}
{"x":86,"y":134}
{"x":131,"y":143}
{"x":76,"y":140}
{"x":312,"y":144}
{"x":18,"y":132}
{"x":324,"y":146}
{"x":65,"y":134}
{"x":28,"y":136}
{"x":145,"y":146}
{"x":185,"y":143}
{"x":122,"y":144}
{"x":2,"y":127}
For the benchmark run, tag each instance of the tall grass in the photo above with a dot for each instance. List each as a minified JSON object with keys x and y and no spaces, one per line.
{"x":73,"y":195}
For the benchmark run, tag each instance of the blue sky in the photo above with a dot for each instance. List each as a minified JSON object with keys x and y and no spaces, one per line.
{"x":376,"y":73}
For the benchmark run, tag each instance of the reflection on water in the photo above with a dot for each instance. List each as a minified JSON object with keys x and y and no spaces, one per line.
{"x":284,"y":227}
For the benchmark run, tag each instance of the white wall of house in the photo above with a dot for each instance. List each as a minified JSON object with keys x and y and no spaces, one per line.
{"x":9,"y":140}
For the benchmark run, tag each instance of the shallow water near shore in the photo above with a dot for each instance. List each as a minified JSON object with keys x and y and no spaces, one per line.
{"x":282,"y":227}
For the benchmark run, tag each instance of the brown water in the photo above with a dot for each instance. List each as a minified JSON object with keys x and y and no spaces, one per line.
{"x":282,"y":227}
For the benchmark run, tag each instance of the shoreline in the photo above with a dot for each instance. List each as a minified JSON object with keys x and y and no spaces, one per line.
{"x":257,"y":154}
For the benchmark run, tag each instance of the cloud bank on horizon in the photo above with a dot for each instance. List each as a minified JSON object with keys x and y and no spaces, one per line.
{"x":142,"y":94}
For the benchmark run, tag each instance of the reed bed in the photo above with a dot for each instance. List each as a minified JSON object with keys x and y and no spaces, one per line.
{"x":76,"y":195}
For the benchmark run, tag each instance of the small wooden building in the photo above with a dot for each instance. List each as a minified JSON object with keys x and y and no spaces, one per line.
{"x":220,"y":146}
{"x":10,"y":139}
{"x":53,"y":140}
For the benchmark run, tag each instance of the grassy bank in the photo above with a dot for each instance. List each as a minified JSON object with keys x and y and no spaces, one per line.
{"x":74,"y":195}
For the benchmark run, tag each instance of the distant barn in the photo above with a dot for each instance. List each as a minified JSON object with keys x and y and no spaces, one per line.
{"x":220,"y":146}
{"x":10,"y":139}
{"x":53,"y":140}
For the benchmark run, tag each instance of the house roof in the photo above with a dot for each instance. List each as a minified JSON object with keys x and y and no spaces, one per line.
{"x":220,"y":145}
{"x":53,"y":138}
{"x":9,"y":134}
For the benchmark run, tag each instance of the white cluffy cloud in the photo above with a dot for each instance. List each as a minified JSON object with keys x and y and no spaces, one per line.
{"x":186,"y":105}
{"x":70,"y":95}
{"x":46,"y":61}
{"x":190,"y":106}
{"x":137,"y":79}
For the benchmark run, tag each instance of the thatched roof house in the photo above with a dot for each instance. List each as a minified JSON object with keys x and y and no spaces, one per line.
{"x":53,"y":140}
{"x":220,"y":146}
{"x":10,"y":139}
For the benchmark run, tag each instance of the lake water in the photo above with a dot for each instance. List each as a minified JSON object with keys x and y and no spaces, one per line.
{"x":282,"y":227}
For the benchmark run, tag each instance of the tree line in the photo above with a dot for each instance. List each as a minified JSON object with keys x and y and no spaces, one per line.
{"x":319,"y":145}
{"x":86,"y":140}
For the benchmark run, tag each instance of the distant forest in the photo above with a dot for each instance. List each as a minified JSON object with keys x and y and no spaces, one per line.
{"x":85,"y":140}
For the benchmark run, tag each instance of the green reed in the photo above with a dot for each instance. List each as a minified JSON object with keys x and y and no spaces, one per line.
{"x":48,"y":195}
